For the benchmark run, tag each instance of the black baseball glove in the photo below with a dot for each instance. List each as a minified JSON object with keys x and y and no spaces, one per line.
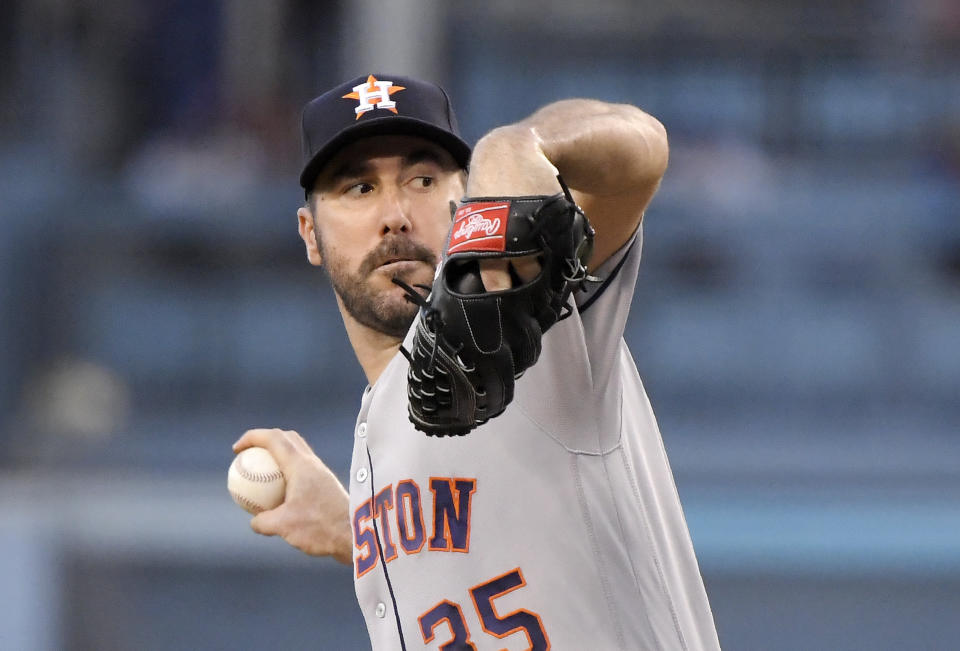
{"x":470,"y":344}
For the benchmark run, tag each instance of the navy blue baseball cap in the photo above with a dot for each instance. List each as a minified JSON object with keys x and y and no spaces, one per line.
{"x":376,"y":105}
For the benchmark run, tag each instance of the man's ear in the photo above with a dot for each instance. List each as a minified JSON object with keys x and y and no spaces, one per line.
{"x":309,"y":236}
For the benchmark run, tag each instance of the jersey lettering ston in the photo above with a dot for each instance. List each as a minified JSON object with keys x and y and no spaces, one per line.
{"x":556,"y":525}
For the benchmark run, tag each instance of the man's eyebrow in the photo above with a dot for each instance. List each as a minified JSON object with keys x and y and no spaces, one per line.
{"x":349,"y":170}
{"x":422,"y":156}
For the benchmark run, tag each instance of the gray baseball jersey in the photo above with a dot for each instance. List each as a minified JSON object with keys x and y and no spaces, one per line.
{"x":555,"y":525}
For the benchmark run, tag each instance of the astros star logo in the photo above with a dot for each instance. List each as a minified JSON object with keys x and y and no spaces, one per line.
{"x":374,"y":90}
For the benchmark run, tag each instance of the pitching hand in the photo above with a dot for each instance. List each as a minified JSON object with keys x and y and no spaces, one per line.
{"x":315,"y":514}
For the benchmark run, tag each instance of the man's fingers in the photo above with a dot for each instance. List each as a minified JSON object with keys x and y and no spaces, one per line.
{"x":253,"y":438}
{"x":494,"y":275}
{"x":282,"y":444}
{"x":268,"y":523}
{"x":526,"y":267}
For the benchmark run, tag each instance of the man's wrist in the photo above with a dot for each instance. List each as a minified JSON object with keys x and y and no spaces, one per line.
{"x":509,"y":161}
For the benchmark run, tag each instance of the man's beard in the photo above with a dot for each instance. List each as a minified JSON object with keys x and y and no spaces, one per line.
{"x":376,"y":310}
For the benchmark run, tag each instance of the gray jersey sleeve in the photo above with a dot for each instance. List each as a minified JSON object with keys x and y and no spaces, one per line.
{"x":604,"y":309}
{"x":573,"y":392}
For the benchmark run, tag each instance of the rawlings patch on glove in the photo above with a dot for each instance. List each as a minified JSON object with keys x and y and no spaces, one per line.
{"x":471,"y":344}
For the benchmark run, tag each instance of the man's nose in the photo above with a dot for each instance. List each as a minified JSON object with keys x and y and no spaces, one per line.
{"x":396,"y":213}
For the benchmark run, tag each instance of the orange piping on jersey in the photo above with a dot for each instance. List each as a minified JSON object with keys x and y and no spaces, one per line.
{"x":428,"y":639}
{"x":447,"y":534}
{"x":414,"y":513}
{"x":371,"y":547}
{"x":388,"y":545}
{"x":493,"y":607}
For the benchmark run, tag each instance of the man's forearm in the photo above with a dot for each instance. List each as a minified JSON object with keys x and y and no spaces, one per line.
{"x":611,"y":155}
{"x":599,"y":148}
{"x":602,"y":148}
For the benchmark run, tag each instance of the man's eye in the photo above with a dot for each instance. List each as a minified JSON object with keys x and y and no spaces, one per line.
{"x":360,"y":188}
{"x":424,"y":181}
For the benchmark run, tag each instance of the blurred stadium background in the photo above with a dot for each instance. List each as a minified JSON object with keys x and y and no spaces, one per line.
{"x":797,"y":318}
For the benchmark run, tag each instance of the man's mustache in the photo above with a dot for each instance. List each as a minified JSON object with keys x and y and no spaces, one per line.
{"x":397,"y":248}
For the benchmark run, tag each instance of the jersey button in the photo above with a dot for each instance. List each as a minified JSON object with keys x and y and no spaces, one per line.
{"x":362,"y":475}
{"x":362,"y":430}
{"x":381,"y":610}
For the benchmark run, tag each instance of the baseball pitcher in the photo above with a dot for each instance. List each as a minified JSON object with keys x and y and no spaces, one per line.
{"x":509,"y":488}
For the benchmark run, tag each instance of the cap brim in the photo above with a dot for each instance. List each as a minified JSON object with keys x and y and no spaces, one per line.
{"x":394,"y":126}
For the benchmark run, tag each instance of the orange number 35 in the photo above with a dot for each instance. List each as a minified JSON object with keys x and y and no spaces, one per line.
{"x":493,"y":623}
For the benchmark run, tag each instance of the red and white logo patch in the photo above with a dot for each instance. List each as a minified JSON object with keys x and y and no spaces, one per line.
{"x":480,"y":226}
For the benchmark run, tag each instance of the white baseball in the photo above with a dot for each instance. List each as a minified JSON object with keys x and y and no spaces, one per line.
{"x":255,"y":481}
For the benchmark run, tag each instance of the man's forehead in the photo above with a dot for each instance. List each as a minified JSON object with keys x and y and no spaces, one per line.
{"x":411,"y":149}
